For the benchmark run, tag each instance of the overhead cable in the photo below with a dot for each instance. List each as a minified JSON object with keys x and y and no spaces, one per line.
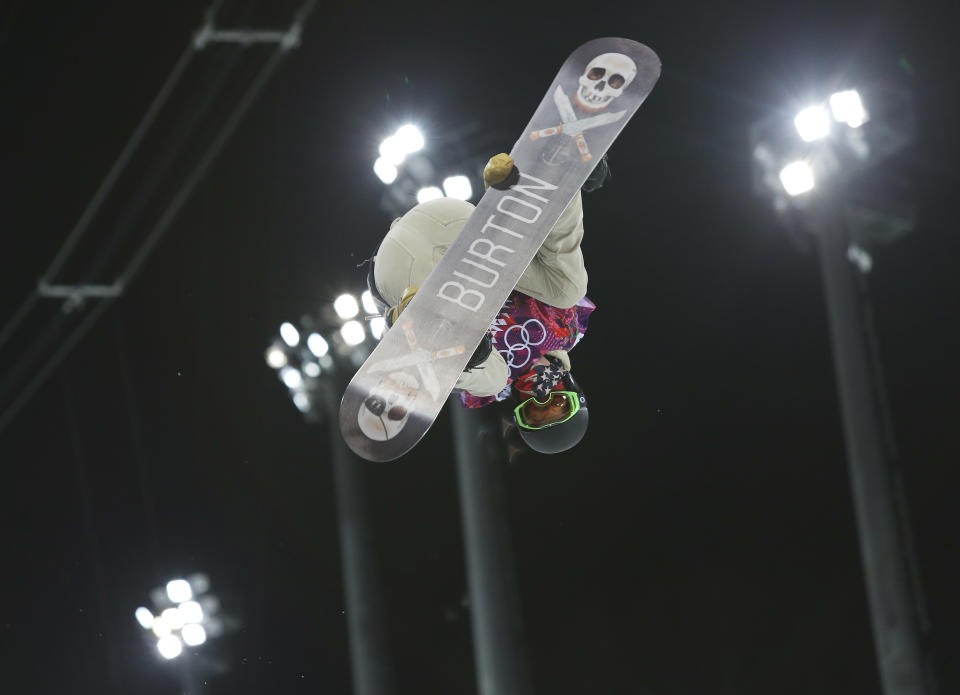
{"x":162,"y":224}
{"x":109,"y":180}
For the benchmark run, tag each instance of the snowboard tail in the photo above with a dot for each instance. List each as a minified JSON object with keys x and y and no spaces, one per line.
{"x":397,"y":393}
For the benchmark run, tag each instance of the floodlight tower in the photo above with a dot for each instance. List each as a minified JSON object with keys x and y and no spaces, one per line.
{"x":315,"y":362}
{"x":184,"y":616}
{"x":822,"y":171}
{"x":499,"y":648}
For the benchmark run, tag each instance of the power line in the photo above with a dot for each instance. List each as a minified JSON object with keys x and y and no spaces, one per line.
{"x":166,"y":218}
{"x":109,"y":180}
{"x":76,"y":295}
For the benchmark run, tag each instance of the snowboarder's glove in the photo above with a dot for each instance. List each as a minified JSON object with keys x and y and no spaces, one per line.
{"x":500,"y":172}
{"x":481,"y":354}
{"x":599,"y":176}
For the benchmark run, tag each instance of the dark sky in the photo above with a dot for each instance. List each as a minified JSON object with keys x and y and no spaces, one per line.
{"x":700,"y":539}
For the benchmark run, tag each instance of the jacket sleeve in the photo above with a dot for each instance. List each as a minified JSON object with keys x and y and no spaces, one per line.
{"x":488,"y":379}
{"x":557,"y":275}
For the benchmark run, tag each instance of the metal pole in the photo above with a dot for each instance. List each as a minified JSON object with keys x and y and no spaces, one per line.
{"x":498,"y":646}
{"x":892,"y":609}
{"x":370,"y":660}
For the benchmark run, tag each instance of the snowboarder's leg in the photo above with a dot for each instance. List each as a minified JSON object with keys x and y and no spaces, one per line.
{"x":415,"y":244}
{"x":417,"y":241}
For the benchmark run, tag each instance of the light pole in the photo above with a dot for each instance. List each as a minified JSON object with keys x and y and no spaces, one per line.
{"x":498,"y":643}
{"x":823,"y":170}
{"x":315,"y":363}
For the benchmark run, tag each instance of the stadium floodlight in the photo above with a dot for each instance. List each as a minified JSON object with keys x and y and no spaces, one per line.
{"x":276,"y":357}
{"x":160,"y":627}
{"x":193,"y":635}
{"x":369,"y":305}
{"x":797,"y":178}
{"x":169,"y":646}
{"x":291,"y":377}
{"x":385,"y":171}
{"x":144,"y":617}
{"x":172,"y":617}
{"x":392,"y":150}
{"x":190,"y":612}
{"x":458,"y":187}
{"x":410,"y":138}
{"x":317,"y":345}
{"x":813,"y":123}
{"x":290,"y":335}
{"x":848,"y":108}
{"x":428,"y":193}
{"x":353,"y":333}
{"x":311,"y":369}
{"x":377,"y":327}
{"x":346,"y":306}
{"x":302,"y":401}
{"x":178,"y":590}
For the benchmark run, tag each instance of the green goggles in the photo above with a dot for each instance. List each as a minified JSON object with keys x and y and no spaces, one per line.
{"x":527,"y":414}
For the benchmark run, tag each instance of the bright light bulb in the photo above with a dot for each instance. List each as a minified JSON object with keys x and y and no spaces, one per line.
{"x":385,"y":171}
{"x":377,"y":327}
{"x":301,"y":401}
{"x":369,"y":305}
{"x":178,"y":590}
{"x":276,"y":357}
{"x":311,"y":369}
{"x":194,"y":635}
{"x":847,"y":108}
{"x":144,"y":617}
{"x":353,"y":333}
{"x":457,"y":187}
{"x":172,"y":617}
{"x":290,"y":335}
{"x":291,"y":377}
{"x":797,"y":178}
{"x":428,"y":193}
{"x":169,"y":646}
{"x":190,"y":612}
{"x":813,"y":123}
{"x":346,"y":306}
{"x":409,"y":138}
{"x":317,"y":345}
{"x":392,"y":150}
{"x":160,"y":627}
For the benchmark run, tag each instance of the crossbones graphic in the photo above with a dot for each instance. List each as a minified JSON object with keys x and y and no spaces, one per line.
{"x":419,"y":357}
{"x":572,"y":126}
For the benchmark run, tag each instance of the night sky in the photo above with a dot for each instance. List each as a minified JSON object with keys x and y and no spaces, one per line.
{"x":700,"y":539}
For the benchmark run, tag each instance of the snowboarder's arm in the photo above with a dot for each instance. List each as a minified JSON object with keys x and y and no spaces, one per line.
{"x":557,"y":275}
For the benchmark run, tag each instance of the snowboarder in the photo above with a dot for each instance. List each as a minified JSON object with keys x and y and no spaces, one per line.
{"x":524,"y":357}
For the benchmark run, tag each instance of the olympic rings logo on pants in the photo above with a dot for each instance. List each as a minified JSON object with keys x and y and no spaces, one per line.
{"x":522,"y":344}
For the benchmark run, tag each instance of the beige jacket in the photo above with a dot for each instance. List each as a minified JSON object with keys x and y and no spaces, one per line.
{"x":417,"y":241}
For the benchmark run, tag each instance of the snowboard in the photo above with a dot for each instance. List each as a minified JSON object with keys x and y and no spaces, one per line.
{"x":397,"y":393}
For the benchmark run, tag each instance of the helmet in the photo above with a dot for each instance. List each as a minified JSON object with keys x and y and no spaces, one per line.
{"x":559,"y":436}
